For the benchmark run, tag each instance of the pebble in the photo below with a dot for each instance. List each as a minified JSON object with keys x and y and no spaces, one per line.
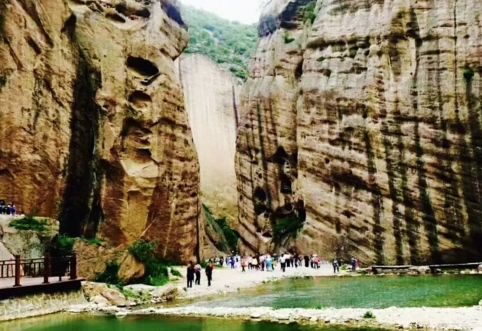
{"x":256,"y":315}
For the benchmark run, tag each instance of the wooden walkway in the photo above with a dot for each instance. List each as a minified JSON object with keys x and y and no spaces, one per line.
{"x":20,"y":277}
{"x":31,"y":286}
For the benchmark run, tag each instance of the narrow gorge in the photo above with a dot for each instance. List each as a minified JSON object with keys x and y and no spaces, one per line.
{"x":355,"y":131}
{"x":360,"y":131}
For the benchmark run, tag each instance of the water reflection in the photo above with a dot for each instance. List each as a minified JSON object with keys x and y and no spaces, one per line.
{"x":66,"y":322}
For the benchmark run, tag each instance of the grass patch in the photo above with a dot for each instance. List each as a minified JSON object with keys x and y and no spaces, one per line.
{"x":290,"y":225}
{"x":110,"y":274}
{"x":175,"y":273}
{"x":29,"y":223}
{"x":310,"y":14}
{"x":65,"y":245}
{"x":319,"y":307}
{"x":287,"y":38}
{"x":468,"y":74}
{"x":368,"y":315}
{"x":344,"y":267}
{"x":157,"y":272}
{"x":93,"y":241}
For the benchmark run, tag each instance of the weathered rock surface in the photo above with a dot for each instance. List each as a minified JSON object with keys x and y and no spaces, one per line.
{"x":26,"y":243}
{"x":93,"y":292}
{"x":130,"y":268}
{"x":362,"y":130}
{"x":93,"y":126}
{"x":211,"y":97}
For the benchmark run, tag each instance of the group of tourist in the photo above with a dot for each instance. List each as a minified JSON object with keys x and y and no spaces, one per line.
{"x":336,"y":264}
{"x":8,"y":209}
{"x":263,"y":262}
{"x":267,"y":262}
{"x":194,"y":273}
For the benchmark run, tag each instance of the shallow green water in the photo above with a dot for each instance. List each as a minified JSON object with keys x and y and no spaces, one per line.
{"x":149,"y":323}
{"x":359,"y":292}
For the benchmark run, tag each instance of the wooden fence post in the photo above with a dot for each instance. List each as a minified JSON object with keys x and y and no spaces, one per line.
{"x":46,"y":268}
{"x":17,"y":271}
{"x":73,"y":266}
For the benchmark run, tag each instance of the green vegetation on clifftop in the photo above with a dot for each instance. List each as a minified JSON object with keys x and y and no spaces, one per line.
{"x":230,"y":44}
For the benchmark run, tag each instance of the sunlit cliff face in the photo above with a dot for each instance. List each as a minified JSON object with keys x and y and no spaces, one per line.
{"x":94,"y":128}
{"x":374,"y":108}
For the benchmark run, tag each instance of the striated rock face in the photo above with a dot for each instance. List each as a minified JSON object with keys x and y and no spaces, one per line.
{"x":211,"y":96}
{"x":93,"y":126}
{"x":362,"y":131}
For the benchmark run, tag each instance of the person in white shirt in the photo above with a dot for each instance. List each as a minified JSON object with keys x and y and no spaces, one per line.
{"x":282,"y":261}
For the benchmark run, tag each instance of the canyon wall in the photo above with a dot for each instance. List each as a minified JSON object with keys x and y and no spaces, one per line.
{"x":93,"y":127}
{"x":211,"y":96}
{"x":360,"y":131}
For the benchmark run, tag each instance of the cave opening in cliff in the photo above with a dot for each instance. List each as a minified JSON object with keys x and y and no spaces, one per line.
{"x":259,"y":198}
{"x":280,"y":157}
{"x":142,"y":66}
{"x":122,"y":8}
{"x":260,"y":194}
{"x":286,"y":184}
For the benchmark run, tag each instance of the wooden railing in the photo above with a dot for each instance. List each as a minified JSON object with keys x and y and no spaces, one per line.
{"x":45,"y":267}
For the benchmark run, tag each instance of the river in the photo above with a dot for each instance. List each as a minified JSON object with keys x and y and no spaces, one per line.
{"x":358,"y":292}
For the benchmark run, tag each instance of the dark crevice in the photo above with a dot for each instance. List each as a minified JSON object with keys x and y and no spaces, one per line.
{"x":299,"y":70}
{"x":69,"y":27}
{"x":376,"y":200}
{"x":473,"y":172}
{"x":81,"y":210}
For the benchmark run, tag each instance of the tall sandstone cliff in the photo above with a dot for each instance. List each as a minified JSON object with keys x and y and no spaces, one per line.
{"x":361,"y":131}
{"x":92,"y":122}
{"x":211,"y":97}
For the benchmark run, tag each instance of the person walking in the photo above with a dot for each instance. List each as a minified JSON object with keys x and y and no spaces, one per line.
{"x":209,"y":273}
{"x":233,"y":262}
{"x":197,"y":273}
{"x":190,"y":274}
{"x":336,"y":266}
{"x":255,"y":263}
{"x":353,"y":264}
{"x":243,"y":265}
{"x":282,"y":261}
{"x":307,"y":261}
{"x":262,"y":259}
{"x":269,"y":261}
